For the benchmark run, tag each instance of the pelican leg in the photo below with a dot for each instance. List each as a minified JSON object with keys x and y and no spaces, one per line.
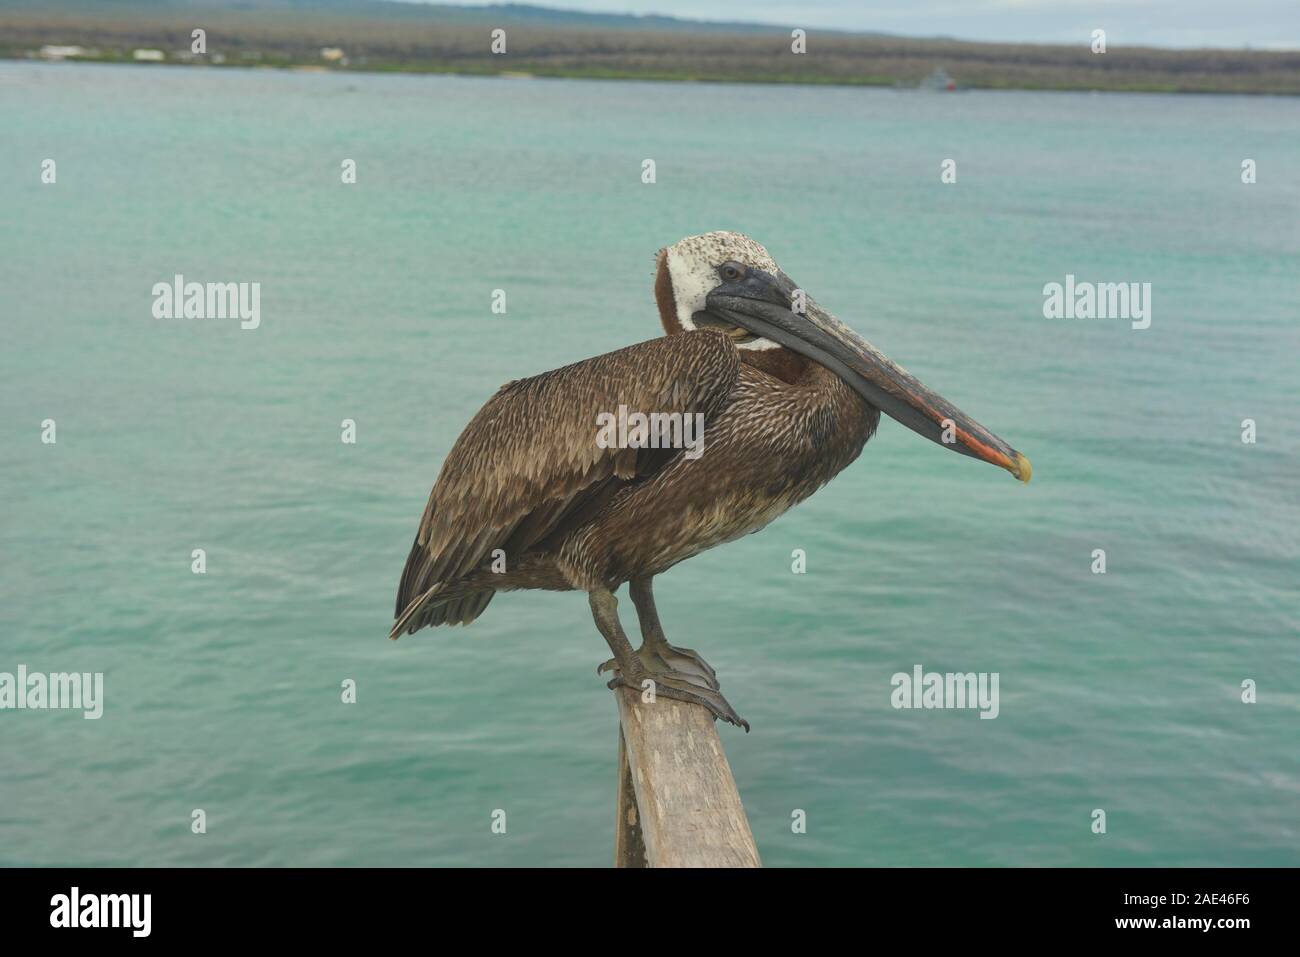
{"x":655,"y":651}
{"x":652,"y":633}
{"x":631,"y":671}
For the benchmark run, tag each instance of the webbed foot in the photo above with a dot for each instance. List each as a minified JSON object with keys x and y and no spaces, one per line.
{"x":682,"y":688}
{"x":663,"y":658}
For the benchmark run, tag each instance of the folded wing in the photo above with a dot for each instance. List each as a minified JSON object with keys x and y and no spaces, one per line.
{"x":529,"y":459}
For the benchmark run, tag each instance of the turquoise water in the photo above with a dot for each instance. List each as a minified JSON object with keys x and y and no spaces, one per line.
{"x":1118,"y":691}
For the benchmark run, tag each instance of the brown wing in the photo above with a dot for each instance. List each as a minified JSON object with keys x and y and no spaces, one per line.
{"x":529,"y":458}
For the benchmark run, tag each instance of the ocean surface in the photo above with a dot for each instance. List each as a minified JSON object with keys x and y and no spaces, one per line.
{"x":1119,"y":691}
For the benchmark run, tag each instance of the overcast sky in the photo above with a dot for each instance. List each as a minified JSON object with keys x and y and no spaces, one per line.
{"x":1184,"y":23}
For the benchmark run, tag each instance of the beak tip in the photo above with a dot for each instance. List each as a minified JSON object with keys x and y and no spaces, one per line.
{"x":1023,"y":470}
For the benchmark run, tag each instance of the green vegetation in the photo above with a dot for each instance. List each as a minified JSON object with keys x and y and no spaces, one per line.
{"x":414,"y":38}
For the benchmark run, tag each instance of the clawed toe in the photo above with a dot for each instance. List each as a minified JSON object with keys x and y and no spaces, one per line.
{"x":665,"y":670}
{"x":663,"y":658}
{"x":684,"y":688}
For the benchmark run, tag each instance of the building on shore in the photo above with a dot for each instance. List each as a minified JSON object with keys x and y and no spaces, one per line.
{"x":54,"y":52}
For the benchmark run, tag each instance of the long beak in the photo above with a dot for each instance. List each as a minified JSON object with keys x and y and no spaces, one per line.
{"x":763,"y":304}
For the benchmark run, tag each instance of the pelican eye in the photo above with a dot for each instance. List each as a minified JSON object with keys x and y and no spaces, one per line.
{"x":732,"y":271}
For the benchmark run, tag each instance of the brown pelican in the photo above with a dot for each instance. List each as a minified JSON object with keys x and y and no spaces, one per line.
{"x":529,"y":497}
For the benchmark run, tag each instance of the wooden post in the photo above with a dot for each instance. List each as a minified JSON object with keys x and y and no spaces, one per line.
{"x":677,"y":801}
{"x":629,"y":844}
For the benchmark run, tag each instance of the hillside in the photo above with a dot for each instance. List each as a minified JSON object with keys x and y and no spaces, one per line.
{"x":381,"y":36}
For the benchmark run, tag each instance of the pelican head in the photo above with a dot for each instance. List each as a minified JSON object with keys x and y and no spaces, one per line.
{"x":726,"y":280}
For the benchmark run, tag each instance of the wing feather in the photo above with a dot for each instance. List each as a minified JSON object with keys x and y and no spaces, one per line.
{"x":529,"y":458}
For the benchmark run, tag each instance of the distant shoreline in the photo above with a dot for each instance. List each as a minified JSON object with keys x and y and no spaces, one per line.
{"x":632,"y":76}
{"x":405,"y":38}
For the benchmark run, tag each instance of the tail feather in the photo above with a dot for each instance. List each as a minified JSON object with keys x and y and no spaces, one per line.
{"x":450,"y":603}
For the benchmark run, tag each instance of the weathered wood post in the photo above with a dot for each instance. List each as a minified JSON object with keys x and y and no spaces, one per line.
{"x":677,"y":802}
